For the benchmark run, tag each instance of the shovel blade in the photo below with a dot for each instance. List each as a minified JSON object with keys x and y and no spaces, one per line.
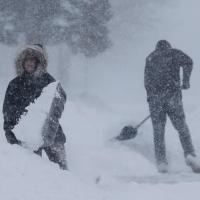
{"x":127,"y":133}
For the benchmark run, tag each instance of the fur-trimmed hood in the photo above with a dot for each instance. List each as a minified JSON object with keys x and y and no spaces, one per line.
{"x":34,"y":51}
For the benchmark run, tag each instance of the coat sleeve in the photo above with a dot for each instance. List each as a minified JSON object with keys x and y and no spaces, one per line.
{"x":146,"y":78}
{"x":149,"y":79}
{"x":52,"y":79}
{"x":186,"y":63}
{"x":10,"y":111}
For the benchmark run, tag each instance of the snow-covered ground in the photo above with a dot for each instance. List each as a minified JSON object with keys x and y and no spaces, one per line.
{"x":101,"y":169}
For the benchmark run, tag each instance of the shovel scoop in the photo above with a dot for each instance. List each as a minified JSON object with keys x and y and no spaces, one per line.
{"x":129,"y":132}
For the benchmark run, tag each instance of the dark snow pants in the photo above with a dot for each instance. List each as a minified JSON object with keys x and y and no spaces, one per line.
{"x":56,"y":153}
{"x":173,"y":107}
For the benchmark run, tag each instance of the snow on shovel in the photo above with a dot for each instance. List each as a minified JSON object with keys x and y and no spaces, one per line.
{"x":129,"y":132}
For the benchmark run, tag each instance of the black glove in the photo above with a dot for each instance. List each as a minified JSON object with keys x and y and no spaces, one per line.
{"x":11,"y":138}
{"x":185,"y":86}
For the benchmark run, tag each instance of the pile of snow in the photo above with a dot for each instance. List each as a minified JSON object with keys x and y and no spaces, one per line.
{"x":98,"y":168}
{"x":30,"y":125}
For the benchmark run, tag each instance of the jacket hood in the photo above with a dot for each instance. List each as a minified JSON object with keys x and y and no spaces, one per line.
{"x":36,"y":51}
{"x":163,"y":45}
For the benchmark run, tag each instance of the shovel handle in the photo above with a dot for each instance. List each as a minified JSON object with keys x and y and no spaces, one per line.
{"x":142,"y":122}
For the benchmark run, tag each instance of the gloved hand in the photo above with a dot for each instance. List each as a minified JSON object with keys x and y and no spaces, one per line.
{"x":11,"y":138}
{"x":185,"y":86}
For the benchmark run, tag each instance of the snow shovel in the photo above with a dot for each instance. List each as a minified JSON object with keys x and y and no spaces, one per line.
{"x":129,"y":132}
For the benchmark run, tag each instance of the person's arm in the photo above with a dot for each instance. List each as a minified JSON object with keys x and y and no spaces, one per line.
{"x":187,"y":64}
{"x":52,"y":79}
{"x":146,"y":75}
{"x":59,"y":106}
{"x":10,"y":113}
{"x":149,"y":77}
{"x":9,"y":108}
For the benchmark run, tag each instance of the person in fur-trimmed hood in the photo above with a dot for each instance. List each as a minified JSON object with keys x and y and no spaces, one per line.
{"x":32,"y":77}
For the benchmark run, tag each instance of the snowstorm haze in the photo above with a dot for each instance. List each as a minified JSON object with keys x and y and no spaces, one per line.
{"x":97,"y":49}
{"x":134,"y":28}
{"x":117,"y":74}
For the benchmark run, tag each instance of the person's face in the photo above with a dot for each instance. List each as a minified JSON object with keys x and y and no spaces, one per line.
{"x":30,"y":65}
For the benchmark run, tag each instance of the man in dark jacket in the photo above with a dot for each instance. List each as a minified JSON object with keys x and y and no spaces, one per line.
{"x":31,"y":78}
{"x":163,"y":87}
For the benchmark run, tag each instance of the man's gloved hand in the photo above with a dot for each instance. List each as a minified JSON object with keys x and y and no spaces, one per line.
{"x":11,"y":138}
{"x":185,"y":86}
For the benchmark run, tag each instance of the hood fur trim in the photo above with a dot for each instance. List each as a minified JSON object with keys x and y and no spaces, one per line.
{"x":36,"y":52}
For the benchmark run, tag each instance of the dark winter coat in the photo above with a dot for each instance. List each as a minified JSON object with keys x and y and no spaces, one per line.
{"x":162,"y":70}
{"x":23,"y":90}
